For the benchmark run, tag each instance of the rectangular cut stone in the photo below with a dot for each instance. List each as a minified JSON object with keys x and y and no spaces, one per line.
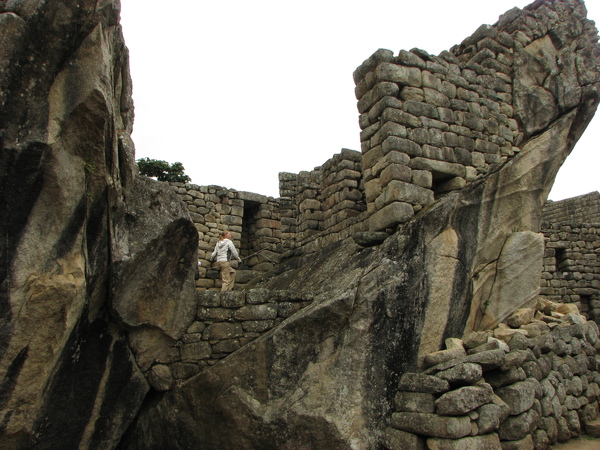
{"x":388,"y":129}
{"x":439,"y":169}
{"x":390,"y":216}
{"x":394,"y":143}
{"x":403,"y":75}
{"x":256,"y":312}
{"x":223,"y":330}
{"x":399,"y":191}
{"x":461,"y":401}
{"x":447,"y":427}
{"x":401,"y":117}
{"x":421,"y":109}
{"x":399,"y":172}
{"x":385,"y":103}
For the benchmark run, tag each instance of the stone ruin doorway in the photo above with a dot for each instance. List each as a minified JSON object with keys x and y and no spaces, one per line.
{"x":248,"y":241}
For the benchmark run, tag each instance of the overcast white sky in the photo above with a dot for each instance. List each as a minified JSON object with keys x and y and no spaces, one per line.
{"x":240,"y":90}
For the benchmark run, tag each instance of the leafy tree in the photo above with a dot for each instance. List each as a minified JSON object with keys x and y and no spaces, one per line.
{"x":162,"y":170}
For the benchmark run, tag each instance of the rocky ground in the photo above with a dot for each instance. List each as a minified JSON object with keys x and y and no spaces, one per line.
{"x":583,"y":443}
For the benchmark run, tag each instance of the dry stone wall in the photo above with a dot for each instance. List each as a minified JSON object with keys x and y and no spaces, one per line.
{"x":324,"y":206}
{"x":224,"y":322}
{"x":572,"y":266}
{"x":580,"y":209}
{"x":431,"y":124}
{"x":530,"y":383}
{"x":571,"y":272}
{"x":252,"y":219}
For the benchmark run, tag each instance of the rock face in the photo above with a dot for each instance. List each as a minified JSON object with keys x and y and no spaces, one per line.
{"x":93,"y":258}
{"x":96,"y":279}
{"x":326,"y":377}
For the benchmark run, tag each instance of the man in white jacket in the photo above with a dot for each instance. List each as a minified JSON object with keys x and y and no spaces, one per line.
{"x":223,"y":253}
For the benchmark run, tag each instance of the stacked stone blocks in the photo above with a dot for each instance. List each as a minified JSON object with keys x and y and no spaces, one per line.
{"x":528,"y":384}
{"x":252,"y":219}
{"x":431,"y":124}
{"x":323,"y":206}
{"x":572,"y":266}
{"x":224,"y":322}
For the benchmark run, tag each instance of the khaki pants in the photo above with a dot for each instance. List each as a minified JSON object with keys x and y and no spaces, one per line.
{"x":227,"y":275}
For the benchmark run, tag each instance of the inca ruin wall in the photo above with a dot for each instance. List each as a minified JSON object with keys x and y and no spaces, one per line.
{"x":572,"y":257}
{"x":430,"y":125}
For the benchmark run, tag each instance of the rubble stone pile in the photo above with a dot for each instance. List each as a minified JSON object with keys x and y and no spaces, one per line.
{"x":531,"y":382}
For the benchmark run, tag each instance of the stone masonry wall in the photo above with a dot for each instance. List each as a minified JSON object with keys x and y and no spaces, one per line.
{"x":528,"y":384}
{"x":572,"y":266}
{"x":580,"y":209}
{"x":431,"y":124}
{"x":224,"y":323}
{"x":324,"y":206}
{"x":252,"y":219}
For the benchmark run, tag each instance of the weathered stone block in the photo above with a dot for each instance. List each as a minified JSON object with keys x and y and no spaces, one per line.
{"x":394,"y":439}
{"x":399,"y":191}
{"x":461,"y":401}
{"x":395,"y":114}
{"x":256,"y":312}
{"x":517,"y":427}
{"x":452,"y":184}
{"x":390,"y":216}
{"x":258,"y":326}
{"x":519,"y":396}
{"x":438,"y":168}
{"x":226,"y":346}
{"x":399,"y":172}
{"x":489,"y":418}
{"x":412,"y":93}
{"x":467,"y":373}
{"x":398,"y":144}
{"x":419,"y":382}
{"x":442,"y":356}
{"x":415,"y":402}
{"x":522,"y":444}
{"x":160,"y":377}
{"x":499,"y":378}
{"x":436,"y":98}
{"x":403,"y":75}
{"x":214,"y":314}
{"x":422,"y":178}
{"x":209,"y":299}
{"x":431,"y":424}
{"x":233,"y":299}
{"x":223,"y":330}
{"x":195,"y":351}
{"x":483,"y":442}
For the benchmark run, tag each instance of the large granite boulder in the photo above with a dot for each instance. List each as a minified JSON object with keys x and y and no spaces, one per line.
{"x":91,"y":255}
{"x":326,"y":377}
